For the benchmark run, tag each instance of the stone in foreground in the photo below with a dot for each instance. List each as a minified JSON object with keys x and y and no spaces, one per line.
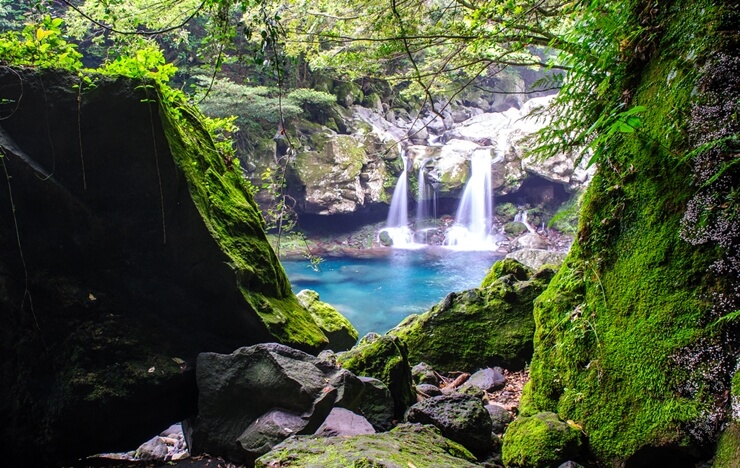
{"x":404,"y":446}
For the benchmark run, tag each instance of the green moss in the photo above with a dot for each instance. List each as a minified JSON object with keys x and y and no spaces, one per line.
{"x":404,"y":446}
{"x":540,"y":441}
{"x":621,"y":327}
{"x":492,"y":325}
{"x":340,"y":332}
{"x":224,"y":200}
{"x":728,"y":448}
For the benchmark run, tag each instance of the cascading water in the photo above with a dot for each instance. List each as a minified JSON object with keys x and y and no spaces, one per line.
{"x":472,"y":228}
{"x":422,"y":196}
{"x":397,"y":225}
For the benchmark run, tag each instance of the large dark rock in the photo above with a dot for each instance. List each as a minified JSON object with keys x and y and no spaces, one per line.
{"x":376,"y":403}
{"x":488,"y":326}
{"x":255,"y":397}
{"x":127,"y":246}
{"x":459,"y":417}
{"x":405,"y":446}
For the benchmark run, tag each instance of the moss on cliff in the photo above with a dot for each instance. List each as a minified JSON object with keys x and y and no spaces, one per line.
{"x":224,"y":200}
{"x":623,"y":345}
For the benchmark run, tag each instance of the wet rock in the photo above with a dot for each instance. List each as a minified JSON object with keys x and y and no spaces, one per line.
{"x":459,"y":417}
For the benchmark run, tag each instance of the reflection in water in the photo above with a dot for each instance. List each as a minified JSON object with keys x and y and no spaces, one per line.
{"x":376,"y":294}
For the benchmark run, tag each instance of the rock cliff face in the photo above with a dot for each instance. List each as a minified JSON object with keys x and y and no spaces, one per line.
{"x":353,"y":170}
{"x":127,"y":246}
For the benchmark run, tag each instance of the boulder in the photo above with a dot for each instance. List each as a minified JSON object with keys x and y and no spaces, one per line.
{"x":140,"y":246}
{"x":489,"y":326}
{"x":376,"y":404}
{"x":540,"y":440}
{"x":253,"y":398}
{"x":459,"y":417}
{"x":338,"y":330}
{"x":343,"y":422}
{"x":386,"y":359}
{"x":488,"y":379}
{"x":404,"y":446}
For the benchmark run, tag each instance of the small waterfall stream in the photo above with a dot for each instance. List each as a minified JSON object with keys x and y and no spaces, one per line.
{"x":472,"y":228}
{"x":397,"y":224}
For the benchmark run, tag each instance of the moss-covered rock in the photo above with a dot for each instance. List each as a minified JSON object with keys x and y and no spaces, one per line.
{"x":489,"y":326}
{"x":540,"y":441}
{"x":624,"y":343}
{"x":340,"y":332}
{"x":404,"y":446}
{"x":386,"y":359}
{"x":142,"y":248}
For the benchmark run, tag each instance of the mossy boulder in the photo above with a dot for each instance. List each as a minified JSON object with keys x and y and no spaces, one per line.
{"x":141,"y":246}
{"x":489,"y":326}
{"x":338,"y":330}
{"x":385,"y":358}
{"x":540,"y":441}
{"x":627,"y":345}
{"x":404,"y":446}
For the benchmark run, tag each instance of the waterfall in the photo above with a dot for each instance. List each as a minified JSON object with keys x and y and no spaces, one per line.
{"x":521,"y":217}
{"x":422,"y":196}
{"x":472,"y":228}
{"x":397,"y":224}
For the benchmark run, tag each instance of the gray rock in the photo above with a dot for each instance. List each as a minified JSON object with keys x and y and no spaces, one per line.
{"x":536,"y":258}
{"x":423,"y":373}
{"x":459,"y":417}
{"x":500,"y":418}
{"x":376,"y":403}
{"x":269,"y":430}
{"x":153,"y":449}
{"x":343,"y":422}
{"x":488,"y":379}
{"x":429,"y":390}
{"x":531,"y":240}
{"x":240,"y":394}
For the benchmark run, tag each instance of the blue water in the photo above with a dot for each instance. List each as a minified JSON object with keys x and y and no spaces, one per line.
{"x":375,"y":294}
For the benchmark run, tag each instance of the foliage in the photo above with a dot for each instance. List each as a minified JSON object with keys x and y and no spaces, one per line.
{"x":41,"y":45}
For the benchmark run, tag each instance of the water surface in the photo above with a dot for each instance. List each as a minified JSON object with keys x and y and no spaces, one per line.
{"x":375,"y":294}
